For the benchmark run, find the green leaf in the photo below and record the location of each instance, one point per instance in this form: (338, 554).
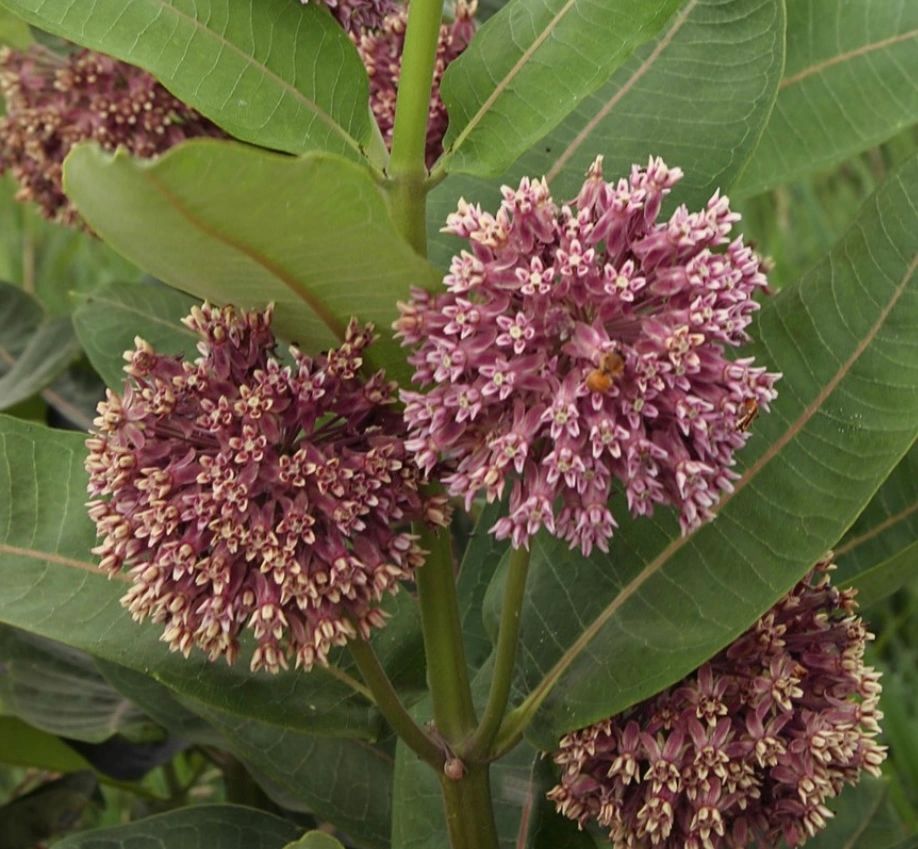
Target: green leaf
(602, 633)
(888, 524)
(716, 63)
(51, 588)
(199, 827)
(312, 234)
(863, 820)
(60, 691)
(14, 32)
(849, 84)
(108, 319)
(270, 72)
(23, 745)
(34, 349)
(529, 66)
(882, 580)
(315, 840)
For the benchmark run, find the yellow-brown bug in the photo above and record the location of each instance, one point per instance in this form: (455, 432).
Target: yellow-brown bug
(601, 379)
(750, 409)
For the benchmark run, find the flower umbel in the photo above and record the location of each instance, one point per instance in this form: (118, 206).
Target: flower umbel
(747, 749)
(583, 344)
(54, 102)
(359, 15)
(247, 494)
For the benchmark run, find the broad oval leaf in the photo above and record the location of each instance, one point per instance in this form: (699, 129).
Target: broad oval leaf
(311, 234)
(107, 320)
(864, 819)
(199, 827)
(51, 588)
(849, 84)
(34, 348)
(602, 633)
(881, 581)
(271, 72)
(23, 745)
(528, 66)
(315, 840)
(715, 63)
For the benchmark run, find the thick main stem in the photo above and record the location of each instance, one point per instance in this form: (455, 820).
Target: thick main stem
(407, 167)
(469, 813)
(502, 677)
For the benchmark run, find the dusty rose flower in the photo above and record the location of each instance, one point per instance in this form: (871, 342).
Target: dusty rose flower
(246, 494)
(381, 51)
(581, 345)
(747, 749)
(54, 102)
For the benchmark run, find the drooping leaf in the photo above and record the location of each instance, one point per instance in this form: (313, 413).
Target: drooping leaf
(602, 633)
(311, 234)
(849, 84)
(34, 349)
(888, 524)
(715, 64)
(59, 690)
(51, 588)
(107, 320)
(863, 819)
(199, 827)
(529, 66)
(278, 74)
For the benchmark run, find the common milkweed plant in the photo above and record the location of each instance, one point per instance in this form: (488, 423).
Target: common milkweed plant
(463, 477)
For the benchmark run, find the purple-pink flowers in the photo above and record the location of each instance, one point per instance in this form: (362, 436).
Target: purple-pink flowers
(748, 749)
(584, 344)
(246, 494)
(54, 102)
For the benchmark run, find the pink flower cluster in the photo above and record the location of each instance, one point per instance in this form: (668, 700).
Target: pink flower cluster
(583, 344)
(381, 51)
(245, 494)
(54, 102)
(747, 749)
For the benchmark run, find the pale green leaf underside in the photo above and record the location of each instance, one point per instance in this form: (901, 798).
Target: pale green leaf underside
(851, 82)
(315, 840)
(201, 827)
(51, 588)
(528, 66)
(602, 633)
(271, 72)
(311, 234)
(699, 95)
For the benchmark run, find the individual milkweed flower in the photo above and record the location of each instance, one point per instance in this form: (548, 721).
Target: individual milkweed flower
(246, 494)
(381, 51)
(581, 345)
(747, 749)
(54, 102)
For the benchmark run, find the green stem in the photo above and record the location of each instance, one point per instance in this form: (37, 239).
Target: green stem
(390, 705)
(508, 638)
(447, 673)
(469, 814)
(407, 167)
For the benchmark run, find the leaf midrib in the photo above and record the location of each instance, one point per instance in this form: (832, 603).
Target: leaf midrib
(541, 691)
(876, 530)
(847, 56)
